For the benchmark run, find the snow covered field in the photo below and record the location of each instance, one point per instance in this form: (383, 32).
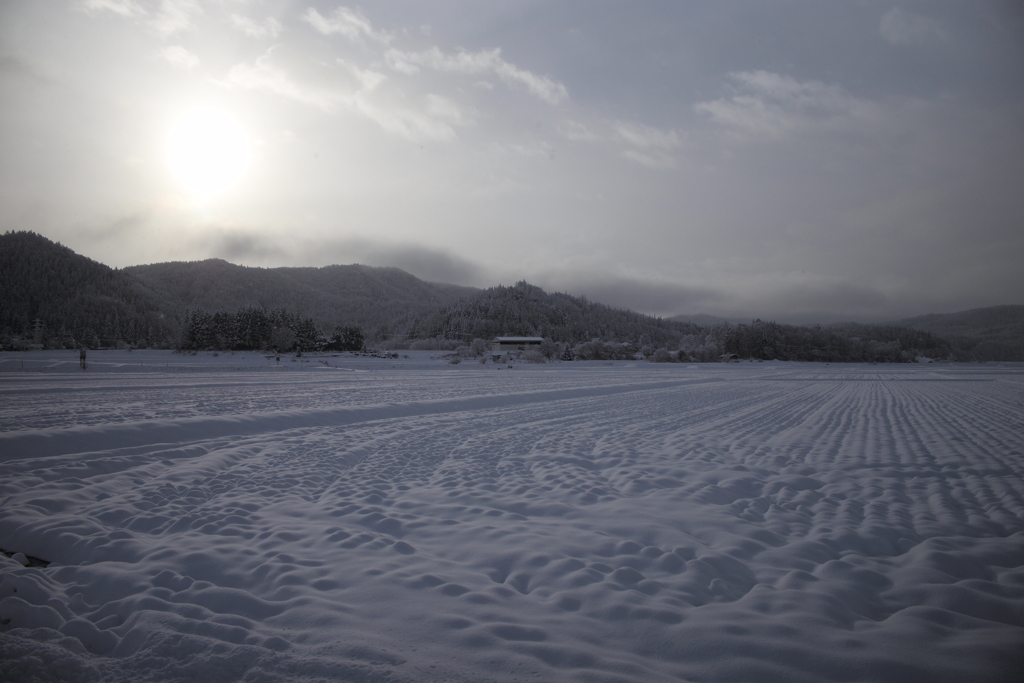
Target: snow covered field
(355, 519)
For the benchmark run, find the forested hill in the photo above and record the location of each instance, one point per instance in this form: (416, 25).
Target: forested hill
(380, 300)
(530, 311)
(51, 295)
(993, 333)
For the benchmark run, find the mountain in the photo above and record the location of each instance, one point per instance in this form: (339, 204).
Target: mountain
(526, 310)
(994, 322)
(380, 300)
(51, 295)
(993, 333)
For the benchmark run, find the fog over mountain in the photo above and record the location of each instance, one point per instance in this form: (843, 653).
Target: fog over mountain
(55, 298)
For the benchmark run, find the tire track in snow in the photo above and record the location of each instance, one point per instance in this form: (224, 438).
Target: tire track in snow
(45, 443)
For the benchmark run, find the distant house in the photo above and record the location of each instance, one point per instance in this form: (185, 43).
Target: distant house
(729, 358)
(503, 344)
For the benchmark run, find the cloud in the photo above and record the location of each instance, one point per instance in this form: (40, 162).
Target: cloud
(432, 265)
(351, 24)
(650, 296)
(176, 15)
(250, 247)
(270, 28)
(347, 87)
(236, 245)
(180, 57)
(771, 105)
(818, 299)
(543, 87)
(650, 146)
(120, 227)
(647, 137)
(529, 149)
(782, 298)
(484, 61)
(446, 110)
(425, 263)
(269, 74)
(367, 78)
(577, 132)
(125, 8)
(432, 124)
(900, 27)
(654, 159)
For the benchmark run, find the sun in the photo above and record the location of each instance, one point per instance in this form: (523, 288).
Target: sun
(207, 152)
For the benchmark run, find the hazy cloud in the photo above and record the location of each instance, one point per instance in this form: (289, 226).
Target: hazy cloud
(176, 15)
(253, 247)
(446, 110)
(123, 226)
(901, 27)
(426, 263)
(346, 22)
(650, 296)
(368, 79)
(180, 57)
(773, 105)
(816, 300)
(432, 124)
(809, 301)
(573, 130)
(484, 61)
(652, 159)
(347, 87)
(269, 28)
(125, 8)
(269, 73)
(528, 149)
(647, 137)
(651, 146)
(240, 245)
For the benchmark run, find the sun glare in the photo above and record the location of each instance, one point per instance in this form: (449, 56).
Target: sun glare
(207, 152)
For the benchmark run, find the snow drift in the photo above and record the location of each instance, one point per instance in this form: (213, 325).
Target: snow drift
(415, 521)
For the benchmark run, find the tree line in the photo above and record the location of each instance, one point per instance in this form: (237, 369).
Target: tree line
(849, 343)
(252, 328)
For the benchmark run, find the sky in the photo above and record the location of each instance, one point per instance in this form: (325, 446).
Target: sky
(796, 161)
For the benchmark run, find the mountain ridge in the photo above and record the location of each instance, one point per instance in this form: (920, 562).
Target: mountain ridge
(372, 296)
(983, 322)
(989, 333)
(46, 289)
(52, 295)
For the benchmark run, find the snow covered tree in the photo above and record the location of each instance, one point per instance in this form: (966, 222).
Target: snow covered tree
(346, 338)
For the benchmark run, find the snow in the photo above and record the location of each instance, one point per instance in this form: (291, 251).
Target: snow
(342, 518)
